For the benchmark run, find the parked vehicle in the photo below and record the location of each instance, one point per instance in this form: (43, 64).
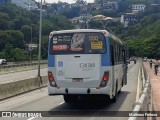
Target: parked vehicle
(3, 62)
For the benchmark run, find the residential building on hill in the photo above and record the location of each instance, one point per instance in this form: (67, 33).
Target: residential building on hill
(127, 17)
(110, 5)
(4, 1)
(138, 7)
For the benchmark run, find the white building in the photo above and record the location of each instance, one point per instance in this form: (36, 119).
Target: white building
(27, 4)
(84, 17)
(138, 7)
(128, 17)
(110, 5)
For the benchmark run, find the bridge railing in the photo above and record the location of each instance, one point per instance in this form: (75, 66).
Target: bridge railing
(21, 67)
(143, 106)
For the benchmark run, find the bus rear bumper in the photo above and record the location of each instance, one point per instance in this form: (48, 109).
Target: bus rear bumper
(63, 91)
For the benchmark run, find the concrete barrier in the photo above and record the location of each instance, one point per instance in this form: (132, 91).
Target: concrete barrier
(15, 88)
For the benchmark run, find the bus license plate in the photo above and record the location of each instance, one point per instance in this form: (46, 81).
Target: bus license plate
(77, 80)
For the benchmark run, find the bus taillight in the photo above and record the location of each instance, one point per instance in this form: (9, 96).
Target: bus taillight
(106, 76)
(104, 79)
(50, 76)
(51, 79)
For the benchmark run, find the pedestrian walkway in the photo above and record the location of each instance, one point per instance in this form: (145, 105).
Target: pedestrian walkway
(155, 83)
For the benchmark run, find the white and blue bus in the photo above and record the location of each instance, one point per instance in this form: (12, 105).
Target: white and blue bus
(85, 62)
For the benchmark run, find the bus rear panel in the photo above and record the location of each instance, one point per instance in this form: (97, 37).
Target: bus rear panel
(79, 63)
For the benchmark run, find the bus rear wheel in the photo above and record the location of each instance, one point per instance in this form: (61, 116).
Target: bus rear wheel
(70, 98)
(114, 99)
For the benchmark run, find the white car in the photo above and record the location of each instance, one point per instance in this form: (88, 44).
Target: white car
(3, 62)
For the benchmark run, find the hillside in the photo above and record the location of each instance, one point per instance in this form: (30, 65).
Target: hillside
(18, 27)
(143, 36)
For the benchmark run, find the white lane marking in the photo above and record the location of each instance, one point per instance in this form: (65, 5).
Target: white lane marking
(31, 118)
(35, 117)
(61, 103)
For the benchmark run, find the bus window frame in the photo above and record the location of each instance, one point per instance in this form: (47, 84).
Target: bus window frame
(75, 52)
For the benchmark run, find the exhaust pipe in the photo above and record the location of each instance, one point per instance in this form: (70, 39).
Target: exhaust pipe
(66, 90)
(88, 91)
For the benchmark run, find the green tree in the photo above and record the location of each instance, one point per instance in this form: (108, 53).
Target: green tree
(71, 12)
(47, 27)
(4, 39)
(152, 46)
(15, 23)
(3, 21)
(19, 55)
(44, 47)
(4, 16)
(26, 30)
(17, 38)
(11, 25)
(8, 52)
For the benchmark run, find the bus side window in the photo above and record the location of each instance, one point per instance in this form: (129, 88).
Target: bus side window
(112, 55)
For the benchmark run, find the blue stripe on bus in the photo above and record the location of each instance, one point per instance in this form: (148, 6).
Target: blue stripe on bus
(51, 58)
(51, 61)
(105, 58)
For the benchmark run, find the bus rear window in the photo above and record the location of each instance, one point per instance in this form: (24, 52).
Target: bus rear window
(77, 43)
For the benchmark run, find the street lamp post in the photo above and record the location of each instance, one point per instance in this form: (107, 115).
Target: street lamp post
(119, 28)
(31, 46)
(40, 33)
(108, 19)
(88, 12)
(102, 18)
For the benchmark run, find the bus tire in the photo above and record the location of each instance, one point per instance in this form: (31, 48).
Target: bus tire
(122, 82)
(119, 91)
(70, 98)
(120, 88)
(114, 99)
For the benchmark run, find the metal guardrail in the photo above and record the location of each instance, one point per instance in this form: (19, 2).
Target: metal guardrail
(26, 62)
(142, 109)
(21, 67)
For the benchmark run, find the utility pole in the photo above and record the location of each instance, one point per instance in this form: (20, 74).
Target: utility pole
(40, 33)
(88, 13)
(31, 45)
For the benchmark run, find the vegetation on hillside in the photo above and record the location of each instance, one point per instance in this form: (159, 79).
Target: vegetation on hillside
(143, 36)
(16, 25)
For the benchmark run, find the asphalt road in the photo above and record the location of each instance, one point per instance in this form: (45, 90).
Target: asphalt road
(39, 100)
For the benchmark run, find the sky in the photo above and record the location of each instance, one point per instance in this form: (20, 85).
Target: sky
(68, 1)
